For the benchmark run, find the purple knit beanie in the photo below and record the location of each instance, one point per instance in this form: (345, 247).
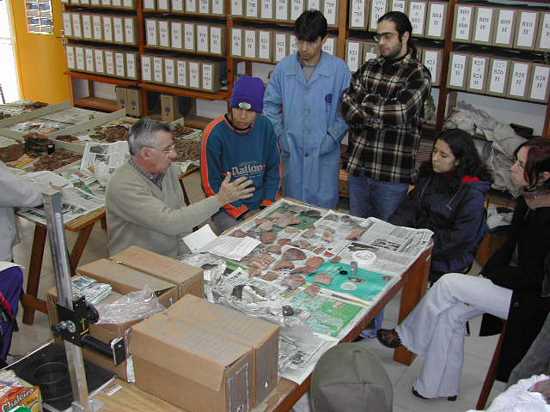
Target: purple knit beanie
(249, 90)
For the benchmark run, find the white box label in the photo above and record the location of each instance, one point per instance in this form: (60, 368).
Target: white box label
(98, 27)
(194, 75)
(162, 5)
(539, 85)
(189, 36)
(204, 6)
(358, 13)
(149, 4)
(330, 11)
(164, 33)
(158, 69)
(177, 5)
(119, 65)
(431, 61)
(118, 27)
(436, 20)
(218, 7)
(131, 66)
(463, 22)
(526, 29)
(71, 64)
(68, 24)
(107, 28)
(109, 63)
(151, 32)
(281, 9)
(190, 6)
(202, 38)
(182, 73)
(252, 8)
(267, 9)
(129, 34)
(146, 68)
(99, 66)
(207, 74)
(250, 44)
(353, 57)
(330, 45)
(236, 43)
(458, 70)
(399, 5)
(87, 31)
(237, 7)
(477, 73)
(499, 73)
(176, 35)
(89, 54)
(417, 16)
(117, 3)
(280, 46)
(264, 50)
(77, 28)
(296, 9)
(80, 59)
(505, 22)
(378, 9)
(483, 24)
(518, 82)
(544, 40)
(169, 71)
(129, 4)
(216, 40)
(313, 5)
(292, 44)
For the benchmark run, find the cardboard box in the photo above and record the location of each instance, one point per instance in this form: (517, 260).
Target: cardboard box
(191, 367)
(217, 40)
(177, 6)
(149, 5)
(250, 44)
(80, 59)
(107, 28)
(458, 71)
(499, 76)
(169, 76)
(483, 27)
(89, 58)
(505, 27)
(262, 336)
(132, 65)
(237, 8)
(281, 46)
(437, 20)
(543, 39)
(97, 23)
(432, 59)
(377, 9)
(151, 33)
(218, 7)
(176, 35)
(330, 11)
(540, 83)
(163, 27)
(191, 7)
(189, 37)
(282, 10)
(203, 39)
(297, 7)
(237, 42)
(110, 63)
(129, 30)
(120, 93)
(158, 69)
(519, 80)
(417, 15)
(71, 61)
(87, 28)
(181, 73)
(67, 24)
(354, 54)
(120, 64)
(99, 61)
(477, 78)
(169, 109)
(194, 74)
(118, 30)
(251, 8)
(210, 76)
(526, 30)
(267, 9)
(77, 26)
(265, 45)
(463, 22)
(146, 68)
(133, 102)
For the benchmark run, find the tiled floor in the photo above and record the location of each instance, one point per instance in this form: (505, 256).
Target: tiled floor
(478, 351)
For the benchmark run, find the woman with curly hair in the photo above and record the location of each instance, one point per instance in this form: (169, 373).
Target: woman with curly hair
(449, 199)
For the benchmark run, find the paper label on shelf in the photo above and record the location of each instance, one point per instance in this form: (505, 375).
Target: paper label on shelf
(463, 22)
(431, 61)
(313, 5)
(162, 5)
(330, 11)
(252, 8)
(539, 85)
(169, 71)
(87, 31)
(296, 9)
(250, 44)
(117, 3)
(544, 39)
(119, 65)
(129, 34)
(518, 82)
(484, 21)
(181, 66)
(151, 32)
(436, 21)
(204, 6)
(218, 7)
(504, 28)
(189, 36)
(118, 29)
(80, 59)
(330, 45)
(105, 2)
(417, 16)
(292, 44)
(458, 70)
(280, 46)
(281, 9)
(398, 5)
(99, 65)
(236, 42)
(131, 69)
(499, 73)
(526, 29)
(353, 53)
(237, 7)
(129, 4)
(107, 28)
(158, 72)
(89, 56)
(477, 73)
(98, 27)
(190, 6)
(266, 11)
(202, 38)
(215, 40)
(109, 63)
(358, 13)
(264, 50)
(71, 62)
(164, 33)
(146, 73)
(68, 24)
(77, 27)
(176, 35)
(378, 9)
(207, 74)
(149, 4)
(177, 5)
(92, 2)
(194, 75)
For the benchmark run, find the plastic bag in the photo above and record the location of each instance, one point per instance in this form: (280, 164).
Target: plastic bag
(132, 306)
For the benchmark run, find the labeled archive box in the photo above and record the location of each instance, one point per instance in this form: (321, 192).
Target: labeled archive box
(217, 40)
(377, 9)
(203, 38)
(132, 65)
(267, 9)
(120, 64)
(118, 30)
(519, 80)
(210, 76)
(109, 57)
(281, 46)
(330, 11)
(252, 8)
(458, 71)
(250, 48)
(89, 59)
(543, 40)
(151, 33)
(477, 79)
(177, 6)
(432, 59)
(436, 20)
(163, 5)
(354, 54)
(359, 14)
(149, 5)
(97, 23)
(68, 24)
(417, 11)
(398, 5)
(80, 59)
(237, 8)
(191, 7)
(170, 71)
(237, 42)
(147, 68)
(181, 73)
(163, 29)
(77, 25)
(265, 45)
(71, 61)
(499, 77)
(130, 32)
(463, 23)
(526, 30)
(194, 74)
(330, 45)
(99, 61)
(87, 30)
(282, 10)
(540, 86)
(176, 35)
(158, 69)
(297, 7)
(107, 28)
(505, 27)
(483, 25)
(189, 43)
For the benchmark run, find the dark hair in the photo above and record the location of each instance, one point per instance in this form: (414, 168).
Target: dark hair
(142, 134)
(310, 26)
(538, 160)
(402, 25)
(464, 150)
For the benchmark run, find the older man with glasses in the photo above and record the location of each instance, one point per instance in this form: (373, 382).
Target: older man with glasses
(145, 203)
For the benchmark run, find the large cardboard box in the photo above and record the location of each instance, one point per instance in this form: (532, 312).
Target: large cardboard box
(189, 366)
(169, 108)
(262, 336)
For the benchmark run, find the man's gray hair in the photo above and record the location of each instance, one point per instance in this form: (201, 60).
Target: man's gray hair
(143, 134)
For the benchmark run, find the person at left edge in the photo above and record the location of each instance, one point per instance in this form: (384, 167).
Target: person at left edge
(241, 142)
(302, 101)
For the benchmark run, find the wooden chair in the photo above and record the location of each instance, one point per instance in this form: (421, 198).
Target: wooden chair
(492, 372)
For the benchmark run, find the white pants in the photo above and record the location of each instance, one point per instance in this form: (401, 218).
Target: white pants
(436, 328)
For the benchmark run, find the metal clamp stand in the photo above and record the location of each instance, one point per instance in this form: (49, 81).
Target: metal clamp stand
(56, 236)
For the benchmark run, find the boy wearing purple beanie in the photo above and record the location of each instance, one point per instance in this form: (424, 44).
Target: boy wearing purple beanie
(242, 143)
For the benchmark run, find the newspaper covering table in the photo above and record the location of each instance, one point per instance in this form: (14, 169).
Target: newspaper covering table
(304, 276)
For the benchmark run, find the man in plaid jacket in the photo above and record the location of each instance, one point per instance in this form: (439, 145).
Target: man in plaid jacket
(383, 108)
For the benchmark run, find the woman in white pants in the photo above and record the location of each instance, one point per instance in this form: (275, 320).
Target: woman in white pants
(511, 287)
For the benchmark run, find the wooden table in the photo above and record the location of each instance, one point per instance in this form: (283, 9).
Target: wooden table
(83, 226)
(286, 394)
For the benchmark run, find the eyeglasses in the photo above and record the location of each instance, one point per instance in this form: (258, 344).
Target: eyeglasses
(384, 36)
(166, 150)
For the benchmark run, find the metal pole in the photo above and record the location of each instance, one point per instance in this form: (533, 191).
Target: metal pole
(53, 206)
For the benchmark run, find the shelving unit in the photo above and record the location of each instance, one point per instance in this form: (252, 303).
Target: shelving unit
(341, 32)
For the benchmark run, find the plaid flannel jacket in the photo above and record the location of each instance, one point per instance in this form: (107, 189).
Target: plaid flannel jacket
(383, 107)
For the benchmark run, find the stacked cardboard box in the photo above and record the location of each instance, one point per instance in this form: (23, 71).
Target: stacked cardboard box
(107, 28)
(197, 7)
(107, 4)
(103, 61)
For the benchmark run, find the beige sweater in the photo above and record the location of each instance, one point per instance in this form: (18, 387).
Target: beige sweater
(140, 214)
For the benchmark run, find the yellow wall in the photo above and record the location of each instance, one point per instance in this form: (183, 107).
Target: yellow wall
(41, 58)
